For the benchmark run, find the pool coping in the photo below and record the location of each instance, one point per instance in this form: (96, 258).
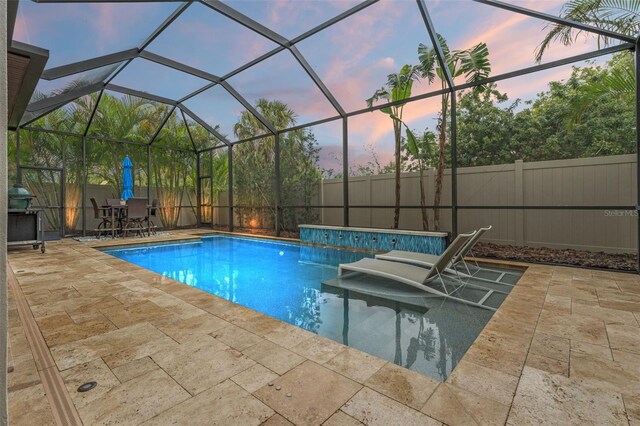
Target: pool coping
(484, 371)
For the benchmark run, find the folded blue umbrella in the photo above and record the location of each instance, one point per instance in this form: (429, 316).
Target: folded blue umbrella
(127, 179)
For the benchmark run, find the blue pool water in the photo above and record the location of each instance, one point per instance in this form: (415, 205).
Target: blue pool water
(285, 281)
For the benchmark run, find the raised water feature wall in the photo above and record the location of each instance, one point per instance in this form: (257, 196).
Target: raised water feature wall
(375, 239)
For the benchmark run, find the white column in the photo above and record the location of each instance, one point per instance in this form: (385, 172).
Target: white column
(3, 214)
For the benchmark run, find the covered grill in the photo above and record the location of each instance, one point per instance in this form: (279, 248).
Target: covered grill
(25, 226)
(19, 197)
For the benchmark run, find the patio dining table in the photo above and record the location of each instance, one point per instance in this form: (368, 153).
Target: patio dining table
(118, 214)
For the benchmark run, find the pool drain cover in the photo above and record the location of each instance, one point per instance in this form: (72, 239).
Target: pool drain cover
(87, 386)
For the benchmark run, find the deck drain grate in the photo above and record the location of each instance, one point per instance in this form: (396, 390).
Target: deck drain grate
(87, 386)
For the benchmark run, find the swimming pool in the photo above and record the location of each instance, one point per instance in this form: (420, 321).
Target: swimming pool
(284, 280)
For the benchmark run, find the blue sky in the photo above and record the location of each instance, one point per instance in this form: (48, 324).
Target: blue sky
(352, 57)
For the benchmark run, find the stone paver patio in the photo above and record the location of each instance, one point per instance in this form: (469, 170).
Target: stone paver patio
(563, 348)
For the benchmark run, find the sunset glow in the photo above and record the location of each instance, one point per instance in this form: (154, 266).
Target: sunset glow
(352, 57)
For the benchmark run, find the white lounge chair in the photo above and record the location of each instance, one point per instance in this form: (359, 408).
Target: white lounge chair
(421, 277)
(457, 266)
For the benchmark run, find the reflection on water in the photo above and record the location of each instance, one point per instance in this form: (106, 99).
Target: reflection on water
(284, 281)
(430, 340)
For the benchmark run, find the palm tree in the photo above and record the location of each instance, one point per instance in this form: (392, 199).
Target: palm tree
(621, 16)
(254, 161)
(421, 151)
(172, 170)
(128, 118)
(471, 63)
(398, 88)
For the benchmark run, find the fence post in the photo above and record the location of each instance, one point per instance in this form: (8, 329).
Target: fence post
(370, 202)
(322, 201)
(518, 181)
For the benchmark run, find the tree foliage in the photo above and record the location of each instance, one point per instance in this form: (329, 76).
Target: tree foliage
(492, 130)
(473, 64)
(254, 168)
(397, 89)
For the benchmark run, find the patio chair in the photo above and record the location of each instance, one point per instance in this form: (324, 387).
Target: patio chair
(135, 216)
(103, 214)
(457, 266)
(153, 213)
(423, 278)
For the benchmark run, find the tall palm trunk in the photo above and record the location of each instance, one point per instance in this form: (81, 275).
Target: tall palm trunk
(442, 140)
(425, 218)
(397, 127)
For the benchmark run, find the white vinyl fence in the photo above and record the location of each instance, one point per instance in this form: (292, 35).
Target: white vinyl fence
(600, 181)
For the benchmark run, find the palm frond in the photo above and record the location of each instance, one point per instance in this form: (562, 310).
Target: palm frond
(621, 16)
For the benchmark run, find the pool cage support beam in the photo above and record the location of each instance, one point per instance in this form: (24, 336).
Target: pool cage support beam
(442, 60)
(454, 166)
(345, 171)
(203, 123)
(557, 20)
(198, 192)
(18, 169)
(88, 64)
(247, 105)
(148, 174)
(84, 186)
(63, 191)
(230, 179)
(164, 121)
(636, 55)
(433, 36)
(93, 113)
(278, 200)
(84, 164)
(211, 189)
(186, 125)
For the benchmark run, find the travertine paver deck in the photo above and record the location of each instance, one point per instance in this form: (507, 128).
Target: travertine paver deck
(563, 348)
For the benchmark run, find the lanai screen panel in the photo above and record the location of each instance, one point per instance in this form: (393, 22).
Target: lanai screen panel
(51, 88)
(205, 39)
(71, 117)
(214, 174)
(511, 38)
(291, 18)
(77, 31)
(281, 79)
(366, 48)
(307, 156)
(254, 183)
(175, 134)
(74, 180)
(126, 117)
(201, 137)
(220, 110)
(147, 76)
(173, 182)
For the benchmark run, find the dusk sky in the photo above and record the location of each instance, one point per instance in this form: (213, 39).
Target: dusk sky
(352, 57)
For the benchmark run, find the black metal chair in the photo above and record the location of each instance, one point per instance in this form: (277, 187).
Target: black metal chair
(152, 213)
(119, 216)
(103, 214)
(136, 215)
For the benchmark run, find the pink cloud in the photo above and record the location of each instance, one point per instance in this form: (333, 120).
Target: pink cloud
(292, 18)
(106, 20)
(513, 38)
(21, 29)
